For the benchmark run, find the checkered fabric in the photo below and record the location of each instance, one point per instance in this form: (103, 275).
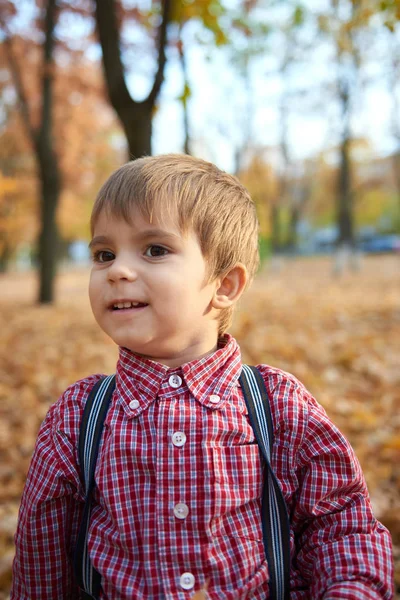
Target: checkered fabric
(179, 483)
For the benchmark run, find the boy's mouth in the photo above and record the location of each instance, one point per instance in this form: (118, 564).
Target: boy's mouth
(126, 305)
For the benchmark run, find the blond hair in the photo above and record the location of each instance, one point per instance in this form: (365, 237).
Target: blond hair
(206, 200)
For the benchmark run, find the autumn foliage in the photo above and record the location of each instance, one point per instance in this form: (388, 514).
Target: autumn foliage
(339, 336)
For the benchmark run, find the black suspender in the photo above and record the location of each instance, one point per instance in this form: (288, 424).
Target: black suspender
(91, 428)
(275, 522)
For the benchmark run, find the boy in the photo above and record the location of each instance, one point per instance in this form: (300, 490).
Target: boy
(179, 475)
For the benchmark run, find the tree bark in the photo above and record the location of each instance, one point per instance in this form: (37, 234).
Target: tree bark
(282, 199)
(344, 195)
(293, 225)
(275, 228)
(344, 204)
(182, 58)
(135, 117)
(5, 255)
(396, 173)
(41, 138)
(50, 178)
(345, 219)
(138, 126)
(50, 186)
(395, 120)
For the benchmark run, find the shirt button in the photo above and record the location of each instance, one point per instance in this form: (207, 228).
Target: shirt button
(187, 581)
(178, 439)
(181, 511)
(134, 404)
(214, 398)
(175, 381)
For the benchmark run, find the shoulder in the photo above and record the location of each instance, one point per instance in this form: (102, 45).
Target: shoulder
(290, 402)
(65, 415)
(55, 451)
(298, 418)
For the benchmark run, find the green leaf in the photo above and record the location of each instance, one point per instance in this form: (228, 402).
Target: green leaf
(186, 94)
(298, 15)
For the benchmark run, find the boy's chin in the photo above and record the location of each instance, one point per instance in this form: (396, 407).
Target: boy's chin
(136, 348)
(144, 346)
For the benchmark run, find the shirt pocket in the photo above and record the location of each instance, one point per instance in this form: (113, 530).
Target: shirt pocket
(238, 482)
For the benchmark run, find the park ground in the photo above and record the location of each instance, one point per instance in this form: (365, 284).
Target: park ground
(340, 335)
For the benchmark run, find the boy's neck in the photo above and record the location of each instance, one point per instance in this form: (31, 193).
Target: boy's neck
(177, 360)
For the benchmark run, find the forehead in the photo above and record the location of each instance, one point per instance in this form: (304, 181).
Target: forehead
(137, 218)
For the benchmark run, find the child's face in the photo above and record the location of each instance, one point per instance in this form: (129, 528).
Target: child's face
(148, 289)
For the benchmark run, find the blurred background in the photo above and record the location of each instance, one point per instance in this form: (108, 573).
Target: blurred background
(300, 100)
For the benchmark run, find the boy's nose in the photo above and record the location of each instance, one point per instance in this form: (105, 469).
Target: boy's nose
(122, 269)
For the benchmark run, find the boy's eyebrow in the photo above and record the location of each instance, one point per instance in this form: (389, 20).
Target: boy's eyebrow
(158, 233)
(143, 235)
(100, 239)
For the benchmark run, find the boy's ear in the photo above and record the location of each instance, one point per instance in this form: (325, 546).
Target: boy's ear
(230, 287)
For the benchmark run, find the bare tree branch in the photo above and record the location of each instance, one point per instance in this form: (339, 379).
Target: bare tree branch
(162, 42)
(16, 76)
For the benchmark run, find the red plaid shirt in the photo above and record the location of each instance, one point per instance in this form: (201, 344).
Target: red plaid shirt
(179, 481)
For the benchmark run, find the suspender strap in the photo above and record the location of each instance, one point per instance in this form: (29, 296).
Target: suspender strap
(275, 521)
(91, 428)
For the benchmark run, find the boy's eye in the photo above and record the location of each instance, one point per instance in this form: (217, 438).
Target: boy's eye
(154, 250)
(103, 256)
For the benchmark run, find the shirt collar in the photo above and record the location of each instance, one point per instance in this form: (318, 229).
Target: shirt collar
(140, 381)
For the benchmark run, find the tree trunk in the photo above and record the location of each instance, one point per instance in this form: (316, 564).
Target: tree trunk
(345, 85)
(394, 53)
(344, 197)
(50, 186)
(275, 229)
(5, 255)
(293, 225)
(41, 138)
(135, 117)
(396, 172)
(50, 179)
(5, 250)
(137, 125)
(345, 254)
(284, 181)
(186, 88)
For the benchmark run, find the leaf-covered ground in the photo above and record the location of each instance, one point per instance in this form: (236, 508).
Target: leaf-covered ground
(340, 336)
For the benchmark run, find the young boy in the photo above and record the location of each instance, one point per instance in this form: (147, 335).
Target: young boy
(179, 474)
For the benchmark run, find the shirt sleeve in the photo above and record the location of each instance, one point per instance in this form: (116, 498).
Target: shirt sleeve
(342, 550)
(50, 508)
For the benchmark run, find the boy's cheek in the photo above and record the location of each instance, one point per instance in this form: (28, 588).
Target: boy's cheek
(95, 285)
(95, 299)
